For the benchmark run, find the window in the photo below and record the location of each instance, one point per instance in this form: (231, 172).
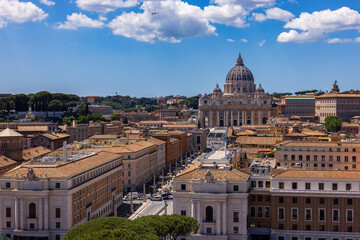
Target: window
(7, 185)
(281, 226)
(321, 186)
(260, 184)
(281, 238)
(236, 188)
(321, 214)
(349, 228)
(335, 215)
(209, 214)
(294, 214)
(260, 198)
(183, 213)
(57, 237)
(267, 184)
(32, 210)
(315, 158)
(208, 230)
(57, 224)
(334, 186)
(281, 185)
(267, 212)
(8, 224)
(281, 199)
(307, 186)
(294, 200)
(348, 186)
(338, 158)
(252, 212)
(335, 229)
(236, 229)
(346, 159)
(308, 214)
(57, 185)
(294, 227)
(331, 158)
(260, 212)
(321, 228)
(252, 198)
(129, 173)
(308, 200)
(349, 215)
(8, 212)
(281, 213)
(32, 226)
(235, 216)
(308, 227)
(183, 186)
(57, 213)
(285, 157)
(253, 184)
(354, 158)
(294, 185)
(349, 201)
(322, 200)
(307, 157)
(293, 157)
(335, 201)
(300, 157)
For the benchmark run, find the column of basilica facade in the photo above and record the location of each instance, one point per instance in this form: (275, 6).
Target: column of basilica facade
(241, 103)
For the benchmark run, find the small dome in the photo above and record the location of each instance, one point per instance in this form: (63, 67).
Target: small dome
(239, 72)
(260, 89)
(217, 89)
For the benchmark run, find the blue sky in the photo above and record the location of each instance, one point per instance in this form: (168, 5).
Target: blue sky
(165, 47)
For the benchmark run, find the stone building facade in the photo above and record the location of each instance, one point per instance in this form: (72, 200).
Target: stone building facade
(241, 103)
(45, 197)
(343, 105)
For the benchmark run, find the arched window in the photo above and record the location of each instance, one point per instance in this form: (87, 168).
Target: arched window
(209, 214)
(32, 210)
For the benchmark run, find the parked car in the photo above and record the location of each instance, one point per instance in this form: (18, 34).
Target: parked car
(135, 195)
(156, 198)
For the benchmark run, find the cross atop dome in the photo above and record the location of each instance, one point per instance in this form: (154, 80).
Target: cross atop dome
(239, 61)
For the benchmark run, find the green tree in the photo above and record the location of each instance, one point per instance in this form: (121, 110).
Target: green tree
(333, 123)
(55, 105)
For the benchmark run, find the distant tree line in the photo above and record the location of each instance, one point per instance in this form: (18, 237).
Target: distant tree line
(279, 95)
(43, 101)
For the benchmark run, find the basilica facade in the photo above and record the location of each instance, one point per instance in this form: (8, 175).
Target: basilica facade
(241, 103)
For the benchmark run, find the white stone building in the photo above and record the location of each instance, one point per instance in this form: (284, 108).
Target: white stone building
(216, 198)
(46, 197)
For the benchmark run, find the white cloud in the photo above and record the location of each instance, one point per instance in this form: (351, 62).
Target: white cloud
(343, 40)
(339, 40)
(294, 36)
(47, 2)
(168, 20)
(316, 25)
(262, 43)
(77, 20)
(230, 15)
(250, 4)
(230, 40)
(273, 13)
(105, 5)
(244, 40)
(19, 12)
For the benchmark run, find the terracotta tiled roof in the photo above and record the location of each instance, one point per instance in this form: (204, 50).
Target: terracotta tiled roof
(245, 133)
(180, 125)
(9, 133)
(34, 152)
(55, 136)
(313, 174)
(320, 144)
(5, 161)
(134, 147)
(176, 132)
(103, 137)
(174, 140)
(65, 170)
(199, 173)
(338, 95)
(156, 141)
(258, 140)
(33, 129)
